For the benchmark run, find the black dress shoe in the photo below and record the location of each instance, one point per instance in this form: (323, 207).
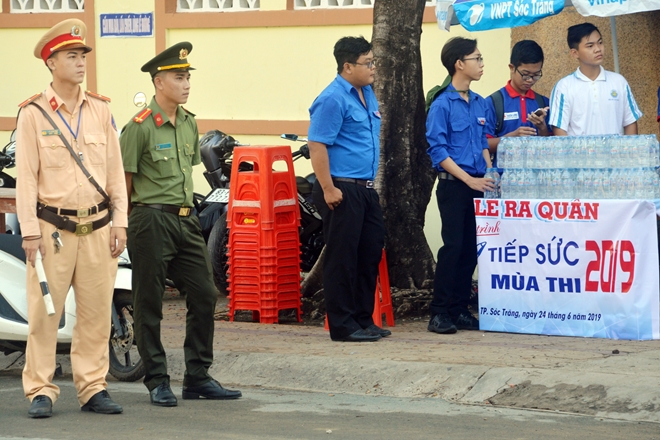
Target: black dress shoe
(162, 395)
(360, 336)
(102, 403)
(465, 321)
(41, 407)
(210, 390)
(441, 323)
(375, 330)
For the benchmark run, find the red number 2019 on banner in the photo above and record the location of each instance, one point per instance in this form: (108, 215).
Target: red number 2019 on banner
(612, 257)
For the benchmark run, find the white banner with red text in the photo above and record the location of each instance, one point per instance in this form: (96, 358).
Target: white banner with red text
(569, 267)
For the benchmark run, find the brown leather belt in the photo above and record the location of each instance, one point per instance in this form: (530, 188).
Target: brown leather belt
(181, 211)
(64, 223)
(86, 212)
(365, 183)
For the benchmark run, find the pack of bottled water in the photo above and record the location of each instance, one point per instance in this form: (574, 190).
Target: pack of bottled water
(587, 167)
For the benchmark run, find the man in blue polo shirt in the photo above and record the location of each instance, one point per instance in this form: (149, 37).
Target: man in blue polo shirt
(344, 144)
(459, 152)
(515, 109)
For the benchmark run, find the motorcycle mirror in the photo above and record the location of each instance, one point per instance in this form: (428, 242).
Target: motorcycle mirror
(290, 137)
(140, 100)
(12, 138)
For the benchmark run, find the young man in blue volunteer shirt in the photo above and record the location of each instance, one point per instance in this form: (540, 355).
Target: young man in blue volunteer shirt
(344, 144)
(459, 152)
(515, 109)
(591, 100)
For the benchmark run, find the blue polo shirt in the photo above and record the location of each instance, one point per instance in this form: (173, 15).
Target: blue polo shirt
(349, 130)
(455, 128)
(516, 109)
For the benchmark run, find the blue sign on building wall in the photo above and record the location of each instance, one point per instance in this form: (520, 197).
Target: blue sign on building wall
(127, 25)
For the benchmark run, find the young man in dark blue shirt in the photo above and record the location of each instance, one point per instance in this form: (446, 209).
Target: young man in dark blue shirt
(515, 109)
(344, 144)
(459, 152)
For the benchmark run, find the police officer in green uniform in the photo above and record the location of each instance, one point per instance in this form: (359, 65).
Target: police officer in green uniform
(159, 148)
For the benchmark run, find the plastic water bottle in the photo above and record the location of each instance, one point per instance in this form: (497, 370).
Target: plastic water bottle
(502, 154)
(491, 173)
(567, 185)
(591, 152)
(541, 185)
(589, 192)
(605, 185)
(555, 184)
(505, 185)
(529, 184)
(516, 153)
(615, 183)
(579, 184)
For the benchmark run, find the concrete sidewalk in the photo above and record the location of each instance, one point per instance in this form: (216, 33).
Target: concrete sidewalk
(599, 377)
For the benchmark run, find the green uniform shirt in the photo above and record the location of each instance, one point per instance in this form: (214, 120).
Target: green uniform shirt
(161, 156)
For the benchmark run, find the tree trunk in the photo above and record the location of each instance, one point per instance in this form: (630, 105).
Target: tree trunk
(405, 177)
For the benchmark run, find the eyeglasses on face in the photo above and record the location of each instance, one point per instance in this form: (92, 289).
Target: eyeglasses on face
(535, 77)
(479, 59)
(370, 65)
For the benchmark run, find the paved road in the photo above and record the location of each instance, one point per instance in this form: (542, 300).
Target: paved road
(277, 414)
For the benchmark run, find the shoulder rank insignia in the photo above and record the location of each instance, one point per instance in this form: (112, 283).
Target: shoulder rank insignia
(188, 111)
(142, 115)
(97, 96)
(29, 100)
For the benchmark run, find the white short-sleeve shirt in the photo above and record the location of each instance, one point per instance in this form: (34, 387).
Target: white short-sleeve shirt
(581, 106)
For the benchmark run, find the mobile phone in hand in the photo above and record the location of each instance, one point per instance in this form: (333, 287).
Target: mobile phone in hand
(539, 112)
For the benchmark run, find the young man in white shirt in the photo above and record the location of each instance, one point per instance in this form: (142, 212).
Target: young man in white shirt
(591, 100)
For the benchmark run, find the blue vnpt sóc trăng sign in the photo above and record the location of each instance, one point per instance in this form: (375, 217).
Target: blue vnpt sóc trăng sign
(127, 25)
(483, 15)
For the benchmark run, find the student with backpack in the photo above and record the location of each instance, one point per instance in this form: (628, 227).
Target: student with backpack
(515, 109)
(459, 153)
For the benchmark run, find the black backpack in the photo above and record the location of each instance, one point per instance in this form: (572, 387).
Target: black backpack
(498, 103)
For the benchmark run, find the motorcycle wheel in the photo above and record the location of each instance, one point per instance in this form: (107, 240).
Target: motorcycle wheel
(125, 362)
(217, 245)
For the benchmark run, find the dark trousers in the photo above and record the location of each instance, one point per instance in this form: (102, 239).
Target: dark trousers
(161, 244)
(457, 258)
(354, 233)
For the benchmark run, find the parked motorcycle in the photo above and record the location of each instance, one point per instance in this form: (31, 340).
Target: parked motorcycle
(125, 362)
(8, 160)
(216, 149)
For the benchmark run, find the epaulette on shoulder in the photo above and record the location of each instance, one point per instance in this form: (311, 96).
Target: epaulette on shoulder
(188, 111)
(97, 96)
(29, 100)
(140, 117)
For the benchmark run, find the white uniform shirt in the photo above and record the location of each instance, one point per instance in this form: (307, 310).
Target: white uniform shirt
(581, 106)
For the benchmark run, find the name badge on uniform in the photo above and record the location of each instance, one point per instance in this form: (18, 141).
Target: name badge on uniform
(50, 132)
(166, 146)
(511, 116)
(481, 121)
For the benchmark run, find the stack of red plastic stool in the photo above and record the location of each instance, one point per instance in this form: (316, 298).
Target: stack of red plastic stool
(383, 297)
(263, 246)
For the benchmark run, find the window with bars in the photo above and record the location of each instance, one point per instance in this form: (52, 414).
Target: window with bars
(37, 6)
(311, 4)
(216, 5)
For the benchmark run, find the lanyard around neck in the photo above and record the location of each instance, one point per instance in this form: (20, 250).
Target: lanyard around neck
(75, 135)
